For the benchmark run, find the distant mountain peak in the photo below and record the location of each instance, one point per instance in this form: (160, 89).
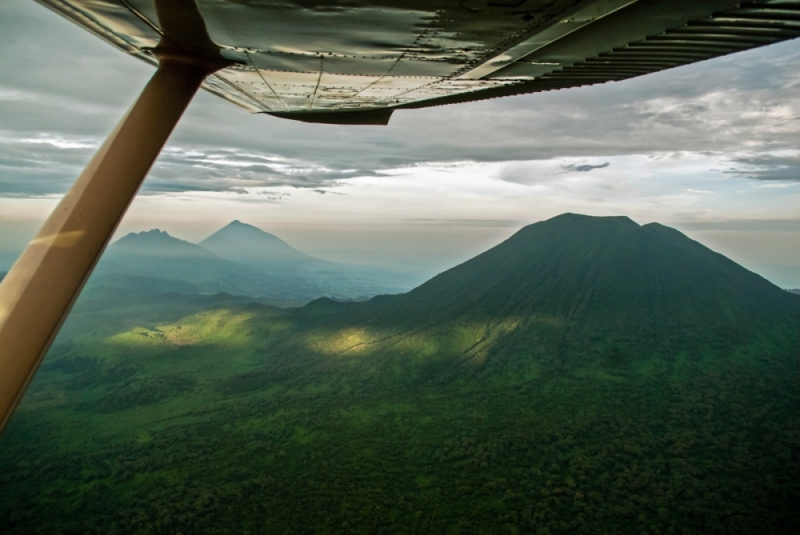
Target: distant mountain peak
(590, 219)
(156, 242)
(152, 234)
(239, 227)
(248, 244)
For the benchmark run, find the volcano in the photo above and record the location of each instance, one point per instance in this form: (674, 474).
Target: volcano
(580, 287)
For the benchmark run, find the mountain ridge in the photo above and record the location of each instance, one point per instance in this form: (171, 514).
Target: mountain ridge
(156, 242)
(243, 260)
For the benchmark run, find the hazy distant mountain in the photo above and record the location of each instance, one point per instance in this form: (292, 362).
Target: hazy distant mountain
(795, 291)
(157, 255)
(249, 262)
(247, 244)
(154, 262)
(251, 246)
(157, 243)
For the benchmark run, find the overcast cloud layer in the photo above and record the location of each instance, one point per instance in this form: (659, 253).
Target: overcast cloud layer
(708, 144)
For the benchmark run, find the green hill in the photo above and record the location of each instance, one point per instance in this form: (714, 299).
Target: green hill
(588, 375)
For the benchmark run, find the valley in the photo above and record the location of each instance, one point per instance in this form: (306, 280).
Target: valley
(588, 375)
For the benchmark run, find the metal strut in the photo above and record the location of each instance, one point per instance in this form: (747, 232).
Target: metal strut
(39, 290)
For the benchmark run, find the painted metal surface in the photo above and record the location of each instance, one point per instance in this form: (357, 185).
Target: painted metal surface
(316, 60)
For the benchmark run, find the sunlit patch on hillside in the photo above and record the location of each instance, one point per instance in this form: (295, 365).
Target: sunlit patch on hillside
(351, 340)
(213, 327)
(469, 342)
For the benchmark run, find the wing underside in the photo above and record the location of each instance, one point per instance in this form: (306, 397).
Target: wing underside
(355, 63)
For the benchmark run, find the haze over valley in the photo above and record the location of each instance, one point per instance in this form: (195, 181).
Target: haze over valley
(586, 375)
(238, 259)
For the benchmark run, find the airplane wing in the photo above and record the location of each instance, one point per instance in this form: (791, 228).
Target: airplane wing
(356, 62)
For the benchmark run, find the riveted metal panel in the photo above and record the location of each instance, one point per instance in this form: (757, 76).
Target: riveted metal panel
(314, 57)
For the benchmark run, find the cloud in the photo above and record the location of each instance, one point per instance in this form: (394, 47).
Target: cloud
(768, 167)
(584, 168)
(529, 173)
(327, 192)
(549, 171)
(66, 89)
(201, 168)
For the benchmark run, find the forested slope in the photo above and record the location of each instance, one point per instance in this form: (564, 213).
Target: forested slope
(588, 375)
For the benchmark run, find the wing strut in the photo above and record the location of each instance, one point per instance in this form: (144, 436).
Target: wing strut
(40, 289)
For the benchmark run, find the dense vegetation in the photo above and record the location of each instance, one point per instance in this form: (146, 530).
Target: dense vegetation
(523, 405)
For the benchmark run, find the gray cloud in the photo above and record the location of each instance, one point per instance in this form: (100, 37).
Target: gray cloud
(60, 83)
(327, 192)
(768, 167)
(39, 166)
(584, 168)
(195, 168)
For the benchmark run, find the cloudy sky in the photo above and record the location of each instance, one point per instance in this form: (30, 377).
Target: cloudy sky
(711, 149)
